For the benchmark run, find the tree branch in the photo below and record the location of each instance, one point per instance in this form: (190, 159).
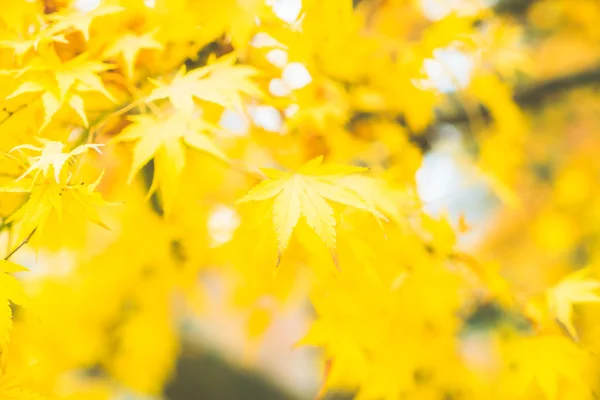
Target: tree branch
(530, 97)
(537, 94)
(513, 6)
(206, 376)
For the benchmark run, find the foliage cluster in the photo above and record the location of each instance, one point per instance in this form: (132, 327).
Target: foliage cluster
(148, 144)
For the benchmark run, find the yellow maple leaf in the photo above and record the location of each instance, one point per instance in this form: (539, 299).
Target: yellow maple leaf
(129, 47)
(51, 156)
(22, 46)
(53, 96)
(14, 387)
(165, 139)
(80, 20)
(394, 202)
(305, 193)
(576, 288)
(80, 70)
(243, 17)
(546, 362)
(10, 291)
(79, 200)
(221, 83)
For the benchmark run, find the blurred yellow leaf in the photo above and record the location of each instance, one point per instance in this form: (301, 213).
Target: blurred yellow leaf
(576, 288)
(221, 83)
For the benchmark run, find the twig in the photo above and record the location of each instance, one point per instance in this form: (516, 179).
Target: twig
(11, 113)
(23, 243)
(103, 121)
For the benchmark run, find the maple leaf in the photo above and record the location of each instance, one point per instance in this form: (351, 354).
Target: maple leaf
(77, 70)
(80, 20)
(10, 291)
(305, 193)
(545, 361)
(44, 36)
(83, 200)
(166, 137)
(243, 17)
(51, 156)
(78, 200)
(129, 47)
(221, 83)
(382, 196)
(52, 92)
(14, 387)
(576, 288)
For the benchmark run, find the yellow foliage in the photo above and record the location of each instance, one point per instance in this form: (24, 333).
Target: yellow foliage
(304, 193)
(243, 144)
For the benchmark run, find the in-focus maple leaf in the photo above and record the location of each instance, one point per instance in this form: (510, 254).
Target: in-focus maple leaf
(78, 200)
(305, 193)
(577, 288)
(10, 291)
(165, 138)
(51, 156)
(129, 47)
(221, 83)
(80, 20)
(83, 200)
